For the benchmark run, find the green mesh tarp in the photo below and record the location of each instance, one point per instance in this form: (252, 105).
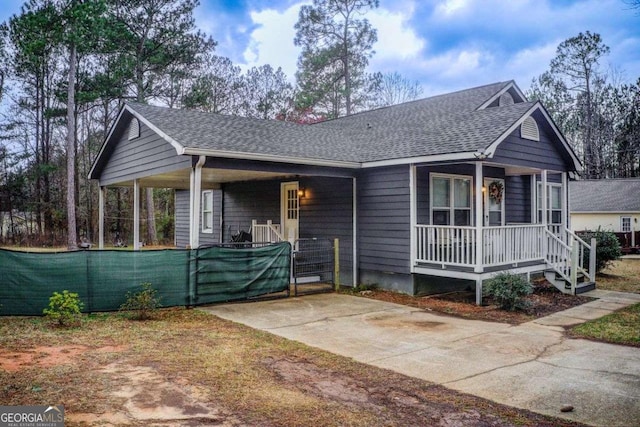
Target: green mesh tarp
(103, 278)
(226, 273)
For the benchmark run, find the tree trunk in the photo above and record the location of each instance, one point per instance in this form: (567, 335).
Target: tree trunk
(152, 238)
(72, 237)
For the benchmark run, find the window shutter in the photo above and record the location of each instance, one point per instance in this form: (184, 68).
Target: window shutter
(529, 129)
(134, 129)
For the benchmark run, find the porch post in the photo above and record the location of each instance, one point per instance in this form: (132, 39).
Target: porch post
(412, 216)
(479, 267)
(534, 198)
(195, 196)
(136, 215)
(565, 201)
(544, 207)
(478, 217)
(101, 191)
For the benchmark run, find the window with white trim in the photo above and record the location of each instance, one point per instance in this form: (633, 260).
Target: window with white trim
(207, 211)
(554, 203)
(625, 224)
(450, 200)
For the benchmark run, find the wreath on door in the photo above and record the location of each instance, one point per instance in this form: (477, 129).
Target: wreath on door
(496, 191)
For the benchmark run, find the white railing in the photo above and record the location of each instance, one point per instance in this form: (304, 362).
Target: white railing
(512, 244)
(566, 254)
(446, 245)
(456, 246)
(266, 233)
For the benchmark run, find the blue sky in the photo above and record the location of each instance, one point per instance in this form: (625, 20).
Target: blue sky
(445, 45)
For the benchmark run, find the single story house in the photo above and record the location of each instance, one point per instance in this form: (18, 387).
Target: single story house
(443, 191)
(607, 204)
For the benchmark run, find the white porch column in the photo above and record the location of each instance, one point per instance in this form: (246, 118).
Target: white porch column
(195, 197)
(136, 215)
(544, 196)
(413, 214)
(479, 199)
(565, 201)
(101, 194)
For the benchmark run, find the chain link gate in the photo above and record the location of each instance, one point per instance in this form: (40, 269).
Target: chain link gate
(313, 266)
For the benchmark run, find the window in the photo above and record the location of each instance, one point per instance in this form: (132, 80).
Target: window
(625, 224)
(554, 203)
(450, 200)
(529, 129)
(207, 211)
(134, 129)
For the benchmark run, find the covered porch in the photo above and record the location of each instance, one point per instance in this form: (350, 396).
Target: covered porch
(472, 220)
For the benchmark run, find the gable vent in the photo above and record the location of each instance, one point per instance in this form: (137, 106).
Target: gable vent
(529, 129)
(134, 129)
(506, 99)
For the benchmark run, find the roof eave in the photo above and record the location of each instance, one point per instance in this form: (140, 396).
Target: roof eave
(270, 158)
(466, 155)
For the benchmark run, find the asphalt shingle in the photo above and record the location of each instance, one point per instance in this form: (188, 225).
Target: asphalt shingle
(605, 195)
(441, 124)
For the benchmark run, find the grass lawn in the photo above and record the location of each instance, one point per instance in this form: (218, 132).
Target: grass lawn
(623, 275)
(188, 367)
(621, 327)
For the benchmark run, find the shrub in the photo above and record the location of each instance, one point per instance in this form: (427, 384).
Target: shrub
(65, 308)
(142, 304)
(508, 290)
(607, 248)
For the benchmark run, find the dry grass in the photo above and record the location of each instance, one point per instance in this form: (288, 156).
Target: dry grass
(255, 378)
(622, 275)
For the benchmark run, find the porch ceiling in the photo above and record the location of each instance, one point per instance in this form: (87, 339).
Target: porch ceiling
(211, 178)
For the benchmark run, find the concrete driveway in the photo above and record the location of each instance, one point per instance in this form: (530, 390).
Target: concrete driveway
(531, 366)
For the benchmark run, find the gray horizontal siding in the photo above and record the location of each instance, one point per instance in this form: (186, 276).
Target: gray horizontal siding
(517, 199)
(543, 154)
(246, 201)
(182, 220)
(383, 220)
(327, 212)
(144, 156)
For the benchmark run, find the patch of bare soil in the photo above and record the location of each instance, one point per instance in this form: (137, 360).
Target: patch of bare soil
(545, 300)
(399, 400)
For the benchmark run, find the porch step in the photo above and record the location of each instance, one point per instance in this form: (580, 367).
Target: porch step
(585, 287)
(564, 286)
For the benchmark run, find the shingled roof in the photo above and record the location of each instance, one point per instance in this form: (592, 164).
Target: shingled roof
(605, 195)
(459, 124)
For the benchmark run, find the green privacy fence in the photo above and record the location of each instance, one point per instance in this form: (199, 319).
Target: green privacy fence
(103, 278)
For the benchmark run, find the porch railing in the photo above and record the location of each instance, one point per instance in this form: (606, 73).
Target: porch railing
(456, 246)
(566, 254)
(268, 232)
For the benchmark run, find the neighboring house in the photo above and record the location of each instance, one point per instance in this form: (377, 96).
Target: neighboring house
(456, 187)
(608, 204)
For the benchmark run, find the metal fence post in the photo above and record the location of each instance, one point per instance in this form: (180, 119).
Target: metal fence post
(336, 264)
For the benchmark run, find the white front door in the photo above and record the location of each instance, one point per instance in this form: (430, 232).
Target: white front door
(493, 202)
(290, 210)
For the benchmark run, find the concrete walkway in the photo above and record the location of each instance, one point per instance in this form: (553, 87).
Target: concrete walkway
(531, 366)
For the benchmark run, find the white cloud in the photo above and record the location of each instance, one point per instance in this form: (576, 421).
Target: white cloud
(396, 39)
(451, 7)
(271, 42)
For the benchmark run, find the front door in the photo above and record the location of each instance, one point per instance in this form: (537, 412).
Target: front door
(493, 202)
(290, 209)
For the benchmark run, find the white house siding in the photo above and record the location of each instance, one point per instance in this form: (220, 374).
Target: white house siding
(606, 221)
